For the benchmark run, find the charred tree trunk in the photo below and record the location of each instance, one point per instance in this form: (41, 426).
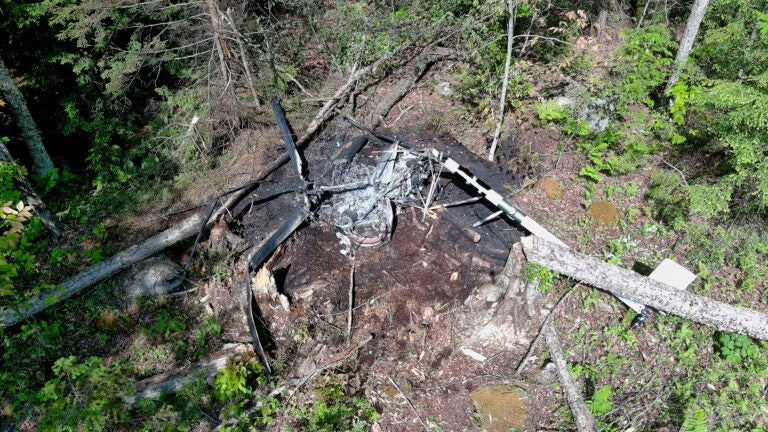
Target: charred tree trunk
(626, 283)
(42, 163)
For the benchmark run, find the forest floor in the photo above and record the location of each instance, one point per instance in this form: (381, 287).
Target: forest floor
(415, 316)
(413, 352)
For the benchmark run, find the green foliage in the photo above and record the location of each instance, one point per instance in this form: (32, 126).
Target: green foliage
(231, 382)
(336, 411)
(551, 112)
(740, 123)
(710, 200)
(668, 198)
(8, 172)
(643, 62)
(167, 325)
(545, 276)
(728, 47)
(601, 404)
(729, 110)
(236, 385)
(15, 249)
(736, 348)
(84, 396)
(613, 152)
(695, 421)
(681, 97)
(617, 248)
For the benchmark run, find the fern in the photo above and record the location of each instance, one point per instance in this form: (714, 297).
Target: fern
(695, 421)
(741, 124)
(601, 404)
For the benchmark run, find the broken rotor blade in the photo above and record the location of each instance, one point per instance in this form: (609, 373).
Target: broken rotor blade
(290, 145)
(266, 247)
(285, 133)
(496, 199)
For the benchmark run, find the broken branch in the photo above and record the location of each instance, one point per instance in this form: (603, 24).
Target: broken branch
(512, 8)
(626, 283)
(585, 422)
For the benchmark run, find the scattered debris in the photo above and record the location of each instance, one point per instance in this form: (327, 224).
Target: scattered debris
(474, 355)
(151, 277)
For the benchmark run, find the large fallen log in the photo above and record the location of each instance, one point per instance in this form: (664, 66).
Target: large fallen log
(103, 270)
(626, 283)
(174, 380)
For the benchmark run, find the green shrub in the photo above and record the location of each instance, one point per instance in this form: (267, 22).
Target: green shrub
(15, 249)
(601, 404)
(736, 348)
(84, 396)
(336, 411)
(668, 198)
(643, 63)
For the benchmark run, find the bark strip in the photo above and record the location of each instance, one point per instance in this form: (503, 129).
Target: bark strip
(626, 283)
(103, 270)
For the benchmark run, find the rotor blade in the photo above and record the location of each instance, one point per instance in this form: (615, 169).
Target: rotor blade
(539, 231)
(285, 133)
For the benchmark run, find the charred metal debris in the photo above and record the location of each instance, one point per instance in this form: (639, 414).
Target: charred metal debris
(361, 200)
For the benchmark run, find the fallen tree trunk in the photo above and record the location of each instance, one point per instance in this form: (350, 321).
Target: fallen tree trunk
(626, 283)
(103, 270)
(585, 422)
(173, 380)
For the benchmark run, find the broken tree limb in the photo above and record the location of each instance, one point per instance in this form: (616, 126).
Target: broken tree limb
(342, 92)
(174, 380)
(626, 283)
(30, 196)
(103, 270)
(531, 349)
(585, 422)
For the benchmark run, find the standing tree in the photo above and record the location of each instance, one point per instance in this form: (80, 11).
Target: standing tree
(686, 42)
(512, 7)
(42, 163)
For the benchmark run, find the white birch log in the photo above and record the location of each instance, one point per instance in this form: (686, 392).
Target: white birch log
(626, 283)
